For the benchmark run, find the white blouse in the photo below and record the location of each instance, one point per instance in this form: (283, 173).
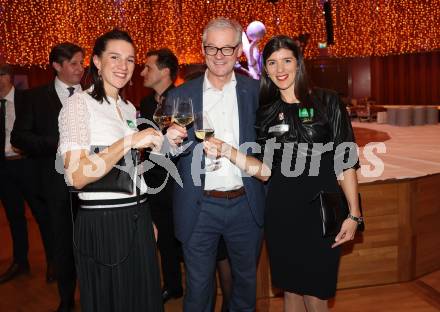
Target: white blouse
(84, 122)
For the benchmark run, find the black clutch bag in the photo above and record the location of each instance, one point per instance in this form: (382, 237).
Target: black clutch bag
(333, 208)
(116, 180)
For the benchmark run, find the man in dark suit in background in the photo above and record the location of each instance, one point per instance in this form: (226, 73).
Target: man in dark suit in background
(36, 133)
(159, 73)
(18, 183)
(224, 203)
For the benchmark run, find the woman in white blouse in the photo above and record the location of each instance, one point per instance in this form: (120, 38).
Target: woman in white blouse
(113, 236)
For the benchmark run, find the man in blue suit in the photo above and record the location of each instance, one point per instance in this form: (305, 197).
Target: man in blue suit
(221, 202)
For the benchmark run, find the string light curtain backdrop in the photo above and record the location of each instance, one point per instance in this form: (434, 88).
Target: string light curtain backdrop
(29, 28)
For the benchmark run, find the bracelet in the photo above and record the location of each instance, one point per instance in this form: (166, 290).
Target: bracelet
(359, 220)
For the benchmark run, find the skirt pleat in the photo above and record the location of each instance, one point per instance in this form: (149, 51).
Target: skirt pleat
(116, 259)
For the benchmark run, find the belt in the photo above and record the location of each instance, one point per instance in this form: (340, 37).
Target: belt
(111, 203)
(15, 157)
(226, 194)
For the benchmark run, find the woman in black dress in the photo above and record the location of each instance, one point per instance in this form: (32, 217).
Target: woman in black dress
(297, 118)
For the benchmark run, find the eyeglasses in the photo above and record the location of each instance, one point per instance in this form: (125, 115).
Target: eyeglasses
(226, 51)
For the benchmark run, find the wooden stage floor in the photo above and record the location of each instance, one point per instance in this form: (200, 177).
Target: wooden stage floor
(410, 152)
(31, 293)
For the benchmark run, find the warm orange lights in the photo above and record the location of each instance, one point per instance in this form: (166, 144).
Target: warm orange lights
(29, 28)
(383, 27)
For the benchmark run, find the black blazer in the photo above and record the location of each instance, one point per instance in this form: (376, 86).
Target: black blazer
(18, 104)
(36, 126)
(19, 97)
(36, 133)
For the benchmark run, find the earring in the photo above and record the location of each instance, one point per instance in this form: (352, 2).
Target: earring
(99, 75)
(130, 83)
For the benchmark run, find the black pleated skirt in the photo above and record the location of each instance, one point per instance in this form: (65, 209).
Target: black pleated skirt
(116, 259)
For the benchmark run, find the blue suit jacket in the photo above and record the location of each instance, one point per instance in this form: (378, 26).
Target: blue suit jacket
(186, 200)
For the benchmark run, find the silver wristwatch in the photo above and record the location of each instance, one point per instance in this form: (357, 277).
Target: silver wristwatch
(359, 220)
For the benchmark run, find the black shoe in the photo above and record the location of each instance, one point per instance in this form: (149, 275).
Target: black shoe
(168, 294)
(14, 270)
(50, 273)
(66, 307)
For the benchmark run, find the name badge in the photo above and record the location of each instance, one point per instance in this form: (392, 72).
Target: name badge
(279, 129)
(306, 115)
(131, 124)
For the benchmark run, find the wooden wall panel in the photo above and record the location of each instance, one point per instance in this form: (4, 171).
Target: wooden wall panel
(412, 64)
(427, 225)
(330, 73)
(404, 82)
(406, 239)
(374, 256)
(263, 275)
(390, 74)
(423, 72)
(360, 82)
(435, 80)
(410, 79)
(376, 88)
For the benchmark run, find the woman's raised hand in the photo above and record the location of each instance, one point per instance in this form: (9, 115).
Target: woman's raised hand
(176, 134)
(148, 138)
(215, 148)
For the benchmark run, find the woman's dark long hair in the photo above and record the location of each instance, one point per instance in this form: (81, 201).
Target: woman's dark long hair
(98, 92)
(269, 93)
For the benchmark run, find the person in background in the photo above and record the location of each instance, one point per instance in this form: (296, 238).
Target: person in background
(159, 74)
(19, 183)
(36, 134)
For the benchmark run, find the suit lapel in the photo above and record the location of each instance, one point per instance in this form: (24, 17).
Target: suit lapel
(54, 100)
(198, 95)
(243, 113)
(18, 95)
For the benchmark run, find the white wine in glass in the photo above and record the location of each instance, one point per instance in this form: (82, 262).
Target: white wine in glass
(183, 120)
(204, 129)
(204, 134)
(183, 112)
(203, 126)
(162, 121)
(163, 114)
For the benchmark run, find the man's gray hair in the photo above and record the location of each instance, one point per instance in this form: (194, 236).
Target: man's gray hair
(223, 23)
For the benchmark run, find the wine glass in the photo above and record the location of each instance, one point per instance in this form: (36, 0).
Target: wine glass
(183, 113)
(204, 129)
(202, 126)
(162, 117)
(163, 114)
